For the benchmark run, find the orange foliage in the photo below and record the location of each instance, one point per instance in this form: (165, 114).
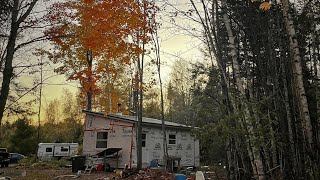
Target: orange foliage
(115, 96)
(265, 6)
(107, 28)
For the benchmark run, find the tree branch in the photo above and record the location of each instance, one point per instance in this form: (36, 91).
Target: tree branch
(26, 14)
(41, 38)
(31, 41)
(31, 89)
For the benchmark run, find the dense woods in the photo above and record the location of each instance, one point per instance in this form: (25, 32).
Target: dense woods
(262, 92)
(254, 96)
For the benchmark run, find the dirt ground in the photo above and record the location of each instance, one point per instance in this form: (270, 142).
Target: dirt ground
(43, 173)
(39, 173)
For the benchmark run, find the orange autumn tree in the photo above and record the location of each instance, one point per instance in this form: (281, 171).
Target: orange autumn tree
(91, 36)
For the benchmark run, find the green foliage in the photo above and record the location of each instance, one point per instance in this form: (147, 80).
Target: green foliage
(212, 147)
(179, 93)
(64, 125)
(23, 139)
(63, 120)
(68, 131)
(7, 131)
(266, 118)
(151, 106)
(207, 114)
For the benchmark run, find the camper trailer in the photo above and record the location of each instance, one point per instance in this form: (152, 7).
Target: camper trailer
(49, 151)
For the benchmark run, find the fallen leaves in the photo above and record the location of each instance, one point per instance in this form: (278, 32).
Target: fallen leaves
(265, 6)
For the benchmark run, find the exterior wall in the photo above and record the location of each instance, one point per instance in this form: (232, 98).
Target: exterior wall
(120, 135)
(186, 147)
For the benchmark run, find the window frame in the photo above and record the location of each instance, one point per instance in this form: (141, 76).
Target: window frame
(170, 139)
(100, 140)
(64, 149)
(49, 148)
(144, 139)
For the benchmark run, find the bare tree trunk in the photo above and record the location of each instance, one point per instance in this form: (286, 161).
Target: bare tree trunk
(315, 59)
(89, 93)
(297, 70)
(8, 69)
(140, 92)
(158, 63)
(288, 113)
(307, 129)
(110, 92)
(40, 98)
(256, 162)
(139, 113)
(215, 52)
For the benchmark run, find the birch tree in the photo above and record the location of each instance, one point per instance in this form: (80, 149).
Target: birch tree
(253, 151)
(297, 70)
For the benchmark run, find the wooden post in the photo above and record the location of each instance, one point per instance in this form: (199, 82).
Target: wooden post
(117, 159)
(104, 161)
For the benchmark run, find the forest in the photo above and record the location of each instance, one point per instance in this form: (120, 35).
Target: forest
(254, 95)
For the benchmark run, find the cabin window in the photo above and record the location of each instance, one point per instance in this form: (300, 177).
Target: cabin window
(144, 139)
(64, 149)
(172, 139)
(102, 138)
(49, 149)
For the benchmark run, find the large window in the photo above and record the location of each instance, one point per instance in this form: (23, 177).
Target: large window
(172, 139)
(102, 139)
(144, 139)
(49, 149)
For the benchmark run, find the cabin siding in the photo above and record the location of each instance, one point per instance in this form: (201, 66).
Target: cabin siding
(123, 135)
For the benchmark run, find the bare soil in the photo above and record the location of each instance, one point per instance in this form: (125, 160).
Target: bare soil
(40, 173)
(16, 172)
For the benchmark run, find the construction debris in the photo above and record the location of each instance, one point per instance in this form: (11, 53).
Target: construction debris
(66, 176)
(150, 174)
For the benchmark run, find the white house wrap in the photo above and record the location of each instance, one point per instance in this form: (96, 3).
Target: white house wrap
(118, 131)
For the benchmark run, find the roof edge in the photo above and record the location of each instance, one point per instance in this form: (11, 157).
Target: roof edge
(123, 118)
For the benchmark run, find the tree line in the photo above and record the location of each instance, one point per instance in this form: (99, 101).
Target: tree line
(258, 103)
(62, 122)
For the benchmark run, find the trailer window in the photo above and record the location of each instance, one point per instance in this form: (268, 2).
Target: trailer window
(144, 139)
(49, 149)
(172, 139)
(63, 149)
(102, 138)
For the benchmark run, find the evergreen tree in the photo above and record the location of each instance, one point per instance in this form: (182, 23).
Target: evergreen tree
(23, 140)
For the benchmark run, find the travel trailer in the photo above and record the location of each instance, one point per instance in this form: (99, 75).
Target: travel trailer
(50, 151)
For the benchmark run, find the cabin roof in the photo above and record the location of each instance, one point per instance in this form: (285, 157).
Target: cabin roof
(145, 120)
(58, 144)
